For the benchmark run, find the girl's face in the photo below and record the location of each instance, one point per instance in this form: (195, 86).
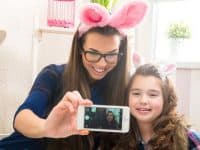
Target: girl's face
(146, 99)
(96, 44)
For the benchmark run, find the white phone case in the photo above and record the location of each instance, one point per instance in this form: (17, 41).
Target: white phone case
(104, 118)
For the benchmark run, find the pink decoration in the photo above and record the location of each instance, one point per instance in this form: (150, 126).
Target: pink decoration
(93, 15)
(138, 59)
(61, 13)
(169, 68)
(127, 17)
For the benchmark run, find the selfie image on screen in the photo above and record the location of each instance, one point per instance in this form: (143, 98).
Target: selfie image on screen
(103, 118)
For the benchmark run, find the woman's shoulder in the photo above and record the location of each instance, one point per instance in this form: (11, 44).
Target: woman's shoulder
(55, 68)
(49, 77)
(194, 139)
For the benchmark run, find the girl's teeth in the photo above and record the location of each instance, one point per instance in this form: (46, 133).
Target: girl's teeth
(143, 109)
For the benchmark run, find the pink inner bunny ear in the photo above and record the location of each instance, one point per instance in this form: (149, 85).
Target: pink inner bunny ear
(137, 59)
(170, 68)
(94, 15)
(130, 15)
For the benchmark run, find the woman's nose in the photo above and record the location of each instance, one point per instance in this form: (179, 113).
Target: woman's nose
(102, 62)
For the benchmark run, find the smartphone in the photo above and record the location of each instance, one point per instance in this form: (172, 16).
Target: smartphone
(104, 118)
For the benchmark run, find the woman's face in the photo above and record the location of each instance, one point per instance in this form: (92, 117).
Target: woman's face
(146, 99)
(110, 117)
(96, 44)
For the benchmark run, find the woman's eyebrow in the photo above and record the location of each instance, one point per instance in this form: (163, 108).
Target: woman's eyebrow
(96, 50)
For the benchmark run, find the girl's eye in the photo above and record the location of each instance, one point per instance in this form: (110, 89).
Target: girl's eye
(135, 93)
(153, 95)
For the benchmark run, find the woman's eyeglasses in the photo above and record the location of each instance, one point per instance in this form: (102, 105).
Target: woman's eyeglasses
(92, 56)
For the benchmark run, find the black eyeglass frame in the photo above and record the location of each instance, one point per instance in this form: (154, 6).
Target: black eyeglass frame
(120, 54)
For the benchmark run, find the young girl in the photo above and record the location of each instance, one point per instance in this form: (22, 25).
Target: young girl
(155, 122)
(97, 65)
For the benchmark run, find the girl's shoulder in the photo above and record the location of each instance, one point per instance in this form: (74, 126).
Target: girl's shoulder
(194, 139)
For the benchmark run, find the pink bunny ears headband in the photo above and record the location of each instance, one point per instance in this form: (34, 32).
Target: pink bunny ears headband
(93, 15)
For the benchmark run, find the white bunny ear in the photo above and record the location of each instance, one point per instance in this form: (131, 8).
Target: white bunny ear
(169, 69)
(138, 59)
(129, 15)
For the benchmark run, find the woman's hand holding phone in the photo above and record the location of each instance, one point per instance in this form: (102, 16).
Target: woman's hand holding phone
(62, 120)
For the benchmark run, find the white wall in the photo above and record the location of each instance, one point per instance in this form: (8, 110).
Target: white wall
(194, 110)
(51, 49)
(16, 17)
(188, 83)
(25, 52)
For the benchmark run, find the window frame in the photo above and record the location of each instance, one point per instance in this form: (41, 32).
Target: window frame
(146, 33)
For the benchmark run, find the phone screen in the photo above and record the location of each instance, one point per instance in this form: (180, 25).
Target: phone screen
(103, 118)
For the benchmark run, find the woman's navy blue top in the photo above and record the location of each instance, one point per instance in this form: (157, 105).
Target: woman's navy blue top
(44, 91)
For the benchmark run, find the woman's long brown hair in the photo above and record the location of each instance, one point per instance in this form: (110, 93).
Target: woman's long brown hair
(170, 129)
(75, 77)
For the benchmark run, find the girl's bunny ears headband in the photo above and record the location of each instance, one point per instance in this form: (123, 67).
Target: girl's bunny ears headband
(93, 15)
(164, 70)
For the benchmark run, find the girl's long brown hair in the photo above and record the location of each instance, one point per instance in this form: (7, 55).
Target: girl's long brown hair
(170, 129)
(75, 77)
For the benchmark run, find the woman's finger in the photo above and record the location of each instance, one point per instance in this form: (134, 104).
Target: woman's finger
(79, 98)
(86, 102)
(72, 98)
(83, 132)
(66, 105)
(78, 94)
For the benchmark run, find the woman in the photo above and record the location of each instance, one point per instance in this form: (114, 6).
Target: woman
(110, 121)
(97, 64)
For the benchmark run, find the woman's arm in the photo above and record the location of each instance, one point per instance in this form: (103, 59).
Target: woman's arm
(60, 123)
(29, 124)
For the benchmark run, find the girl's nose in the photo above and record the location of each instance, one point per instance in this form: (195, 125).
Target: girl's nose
(144, 99)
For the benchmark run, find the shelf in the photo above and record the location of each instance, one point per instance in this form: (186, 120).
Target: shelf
(65, 31)
(54, 30)
(188, 65)
(57, 30)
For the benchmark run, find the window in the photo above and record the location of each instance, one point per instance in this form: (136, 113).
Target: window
(170, 11)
